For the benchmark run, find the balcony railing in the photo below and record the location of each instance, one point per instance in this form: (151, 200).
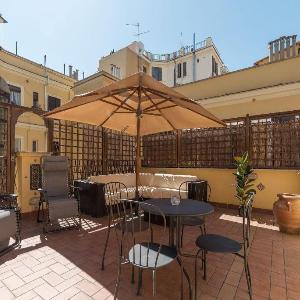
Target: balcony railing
(181, 52)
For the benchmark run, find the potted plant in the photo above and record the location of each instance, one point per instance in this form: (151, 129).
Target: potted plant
(245, 177)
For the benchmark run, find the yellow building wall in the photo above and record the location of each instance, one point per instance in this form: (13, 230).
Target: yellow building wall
(27, 198)
(253, 78)
(256, 107)
(33, 77)
(126, 59)
(222, 183)
(93, 82)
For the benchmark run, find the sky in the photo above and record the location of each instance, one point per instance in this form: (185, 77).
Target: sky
(80, 32)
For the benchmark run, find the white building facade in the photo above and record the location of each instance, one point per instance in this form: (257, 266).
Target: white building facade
(190, 63)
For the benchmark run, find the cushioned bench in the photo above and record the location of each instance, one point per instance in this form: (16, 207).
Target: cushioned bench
(151, 185)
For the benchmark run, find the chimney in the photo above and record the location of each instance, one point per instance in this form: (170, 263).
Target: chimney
(70, 71)
(75, 74)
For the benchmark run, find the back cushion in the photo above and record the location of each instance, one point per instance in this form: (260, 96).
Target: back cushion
(128, 179)
(171, 181)
(55, 175)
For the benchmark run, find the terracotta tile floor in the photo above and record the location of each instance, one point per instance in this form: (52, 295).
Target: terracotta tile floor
(65, 265)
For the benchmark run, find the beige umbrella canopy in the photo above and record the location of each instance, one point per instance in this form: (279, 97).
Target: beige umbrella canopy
(137, 105)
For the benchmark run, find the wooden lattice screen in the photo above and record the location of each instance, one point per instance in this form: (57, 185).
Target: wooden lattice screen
(94, 150)
(120, 152)
(4, 149)
(273, 141)
(160, 150)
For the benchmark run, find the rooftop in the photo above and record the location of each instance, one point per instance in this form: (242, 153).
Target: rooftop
(65, 265)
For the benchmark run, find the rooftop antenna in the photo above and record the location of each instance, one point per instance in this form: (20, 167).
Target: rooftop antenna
(138, 34)
(181, 40)
(2, 20)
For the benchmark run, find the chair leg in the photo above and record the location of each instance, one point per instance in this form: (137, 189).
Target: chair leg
(204, 228)
(186, 276)
(196, 273)
(105, 245)
(154, 284)
(132, 274)
(181, 240)
(204, 263)
(118, 278)
(248, 277)
(140, 282)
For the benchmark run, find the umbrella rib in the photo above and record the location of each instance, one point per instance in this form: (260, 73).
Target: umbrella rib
(127, 105)
(151, 106)
(192, 102)
(154, 109)
(162, 115)
(117, 108)
(113, 104)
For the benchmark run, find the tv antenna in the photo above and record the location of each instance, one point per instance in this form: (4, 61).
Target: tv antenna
(138, 34)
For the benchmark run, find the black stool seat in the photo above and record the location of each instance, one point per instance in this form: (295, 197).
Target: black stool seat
(144, 255)
(218, 243)
(192, 221)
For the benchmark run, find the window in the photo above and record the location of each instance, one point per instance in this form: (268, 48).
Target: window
(157, 73)
(35, 100)
(179, 71)
(34, 146)
(144, 69)
(184, 69)
(18, 144)
(53, 102)
(15, 94)
(214, 67)
(115, 71)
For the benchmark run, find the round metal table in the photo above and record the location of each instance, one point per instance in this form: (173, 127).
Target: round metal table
(186, 208)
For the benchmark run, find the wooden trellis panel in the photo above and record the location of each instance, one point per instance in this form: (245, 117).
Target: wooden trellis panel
(212, 147)
(4, 149)
(160, 150)
(82, 144)
(275, 141)
(120, 152)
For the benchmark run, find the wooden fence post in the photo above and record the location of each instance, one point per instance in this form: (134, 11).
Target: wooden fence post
(104, 151)
(247, 135)
(178, 148)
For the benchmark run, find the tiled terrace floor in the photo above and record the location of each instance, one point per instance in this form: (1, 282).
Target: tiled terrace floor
(65, 265)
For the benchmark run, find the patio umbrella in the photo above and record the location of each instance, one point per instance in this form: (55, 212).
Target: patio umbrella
(137, 105)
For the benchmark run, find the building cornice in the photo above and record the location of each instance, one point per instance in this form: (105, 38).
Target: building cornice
(45, 79)
(260, 94)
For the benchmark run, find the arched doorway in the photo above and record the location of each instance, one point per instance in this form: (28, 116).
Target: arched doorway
(31, 133)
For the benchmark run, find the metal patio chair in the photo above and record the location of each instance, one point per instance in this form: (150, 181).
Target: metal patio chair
(136, 245)
(114, 192)
(193, 220)
(59, 202)
(221, 244)
(9, 222)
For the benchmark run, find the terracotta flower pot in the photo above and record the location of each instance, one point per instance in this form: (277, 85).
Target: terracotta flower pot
(287, 212)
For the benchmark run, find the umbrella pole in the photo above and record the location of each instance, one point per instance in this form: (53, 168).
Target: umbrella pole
(138, 158)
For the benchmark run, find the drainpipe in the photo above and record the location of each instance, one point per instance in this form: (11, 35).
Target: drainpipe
(46, 83)
(194, 57)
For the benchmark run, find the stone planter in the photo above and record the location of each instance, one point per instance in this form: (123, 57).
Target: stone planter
(287, 212)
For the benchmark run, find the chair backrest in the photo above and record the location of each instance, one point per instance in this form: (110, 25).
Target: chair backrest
(198, 190)
(115, 191)
(134, 233)
(55, 175)
(247, 211)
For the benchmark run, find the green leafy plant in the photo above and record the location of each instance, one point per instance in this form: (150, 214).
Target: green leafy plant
(245, 177)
